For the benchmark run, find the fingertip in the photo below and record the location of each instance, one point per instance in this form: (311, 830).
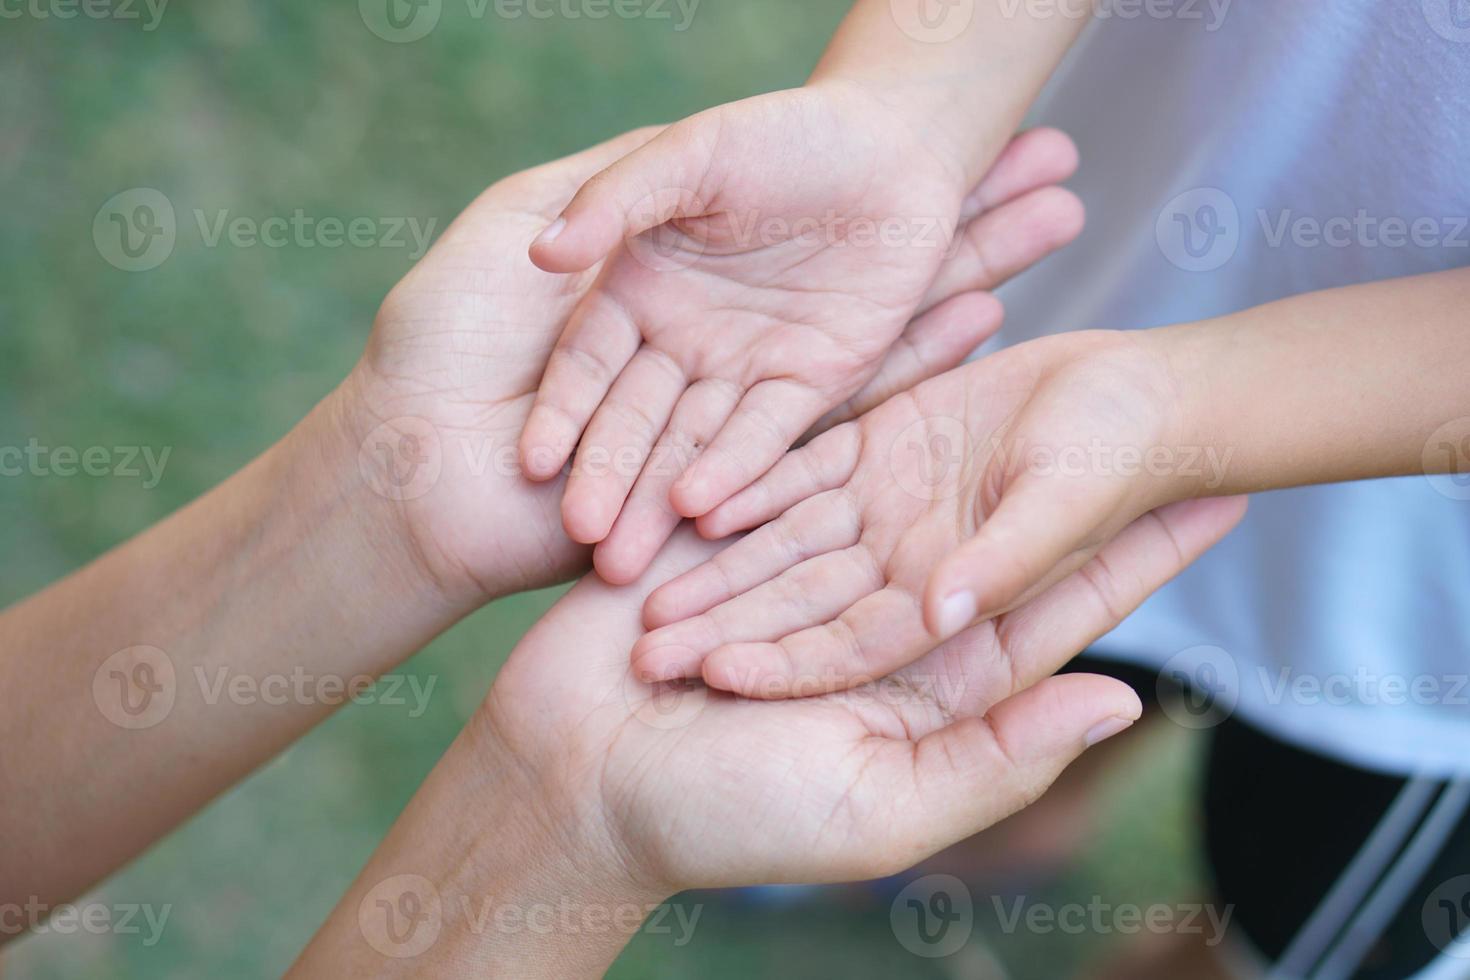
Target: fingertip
(569, 244)
(1070, 216)
(721, 672)
(618, 566)
(539, 463)
(540, 459)
(584, 518)
(715, 525)
(1061, 151)
(654, 664)
(689, 496)
(664, 607)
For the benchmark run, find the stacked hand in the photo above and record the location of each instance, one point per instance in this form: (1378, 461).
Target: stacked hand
(460, 345)
(843, 786)
(1008, 474)
(765, 258)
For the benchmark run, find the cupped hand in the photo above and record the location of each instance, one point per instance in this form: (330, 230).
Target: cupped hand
(957, 502)
(444, 389)
(765, 258)
(682, 786)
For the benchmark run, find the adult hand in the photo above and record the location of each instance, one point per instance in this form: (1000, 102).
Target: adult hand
(577, 787)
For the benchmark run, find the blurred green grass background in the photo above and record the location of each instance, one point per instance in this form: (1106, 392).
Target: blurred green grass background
(261, 109)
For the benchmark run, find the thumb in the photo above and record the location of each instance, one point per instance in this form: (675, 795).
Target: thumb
(978, 771)
(1040, 531)
(654, 184)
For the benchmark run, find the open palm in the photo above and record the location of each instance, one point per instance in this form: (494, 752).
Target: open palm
(975, 467)
(844, 786)
(766, 256)
(452, 369)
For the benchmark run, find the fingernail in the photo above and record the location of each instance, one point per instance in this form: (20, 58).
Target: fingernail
(551, 233)
(959, 610)
(1105, 730)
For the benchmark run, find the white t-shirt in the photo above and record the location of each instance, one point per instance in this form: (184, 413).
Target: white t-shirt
(1237, 153)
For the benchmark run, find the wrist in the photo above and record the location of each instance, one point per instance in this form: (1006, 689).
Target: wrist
(1202, 447)
(492, 871)
(923, 116)
(334, 501)
(390, 467)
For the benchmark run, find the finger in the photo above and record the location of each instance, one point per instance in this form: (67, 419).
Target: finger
(815, 526)
(618, 442)
(1039, 524)
(647, 518)
(937, 341)
(823, 464)
(656, 183)
(1048, 631)
(812, 592)
(1002, 243)
(596, 345)
(768, 421)
(1036, 158)
(978, 771)
(872, 638)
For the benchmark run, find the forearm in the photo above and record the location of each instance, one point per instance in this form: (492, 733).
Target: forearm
(1346, 384)
(249, 615)
(484, 875)
(965, 78)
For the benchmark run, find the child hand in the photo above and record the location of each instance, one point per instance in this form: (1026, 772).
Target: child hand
(776, 249)
(953, 503)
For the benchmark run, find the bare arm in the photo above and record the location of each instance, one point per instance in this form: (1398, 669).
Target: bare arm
(966, 72)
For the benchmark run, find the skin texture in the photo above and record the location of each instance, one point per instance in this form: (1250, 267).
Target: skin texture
(957, 501)
(578, 785)
(831, 590)
(761, 258)
(721, 338)
(392, 511)
(460, 345)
